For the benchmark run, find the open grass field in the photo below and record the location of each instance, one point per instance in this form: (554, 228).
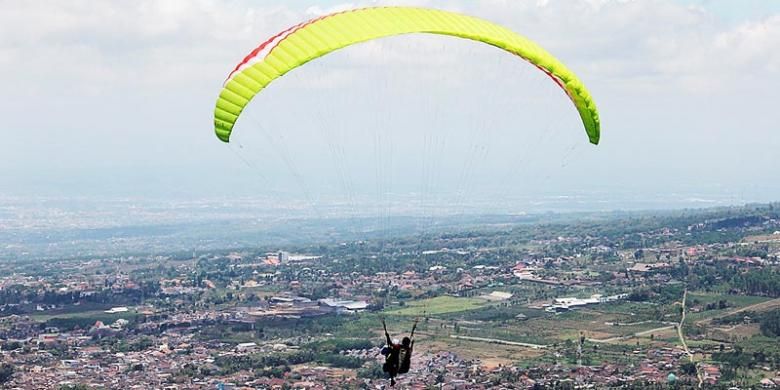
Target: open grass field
(92, 314)
(733, 300)
(438, 305)
(489, 353)
(737, 304)
(48, 316)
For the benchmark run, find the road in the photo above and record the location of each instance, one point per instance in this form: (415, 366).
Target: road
(680, 326)
(632, 335)
(762, 306)
(682, 337)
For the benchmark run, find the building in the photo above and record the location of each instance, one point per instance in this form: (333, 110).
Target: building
(283, 256)
(344, 305)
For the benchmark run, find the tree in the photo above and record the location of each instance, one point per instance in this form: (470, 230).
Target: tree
(6, 372)
(689, 368)
(770, 324)
(74, 387)
(12, 345)
(372, 371)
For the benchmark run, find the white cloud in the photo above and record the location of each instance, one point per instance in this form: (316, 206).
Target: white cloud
(105, 44)
(316, 10)
(175, 41)
(143, 69)
(645, 44)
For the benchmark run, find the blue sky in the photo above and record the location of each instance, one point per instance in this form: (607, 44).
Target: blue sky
(115, 99)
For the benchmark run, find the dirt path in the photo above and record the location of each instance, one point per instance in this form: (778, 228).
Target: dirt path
(762, 306)
(629, 336)
(497, 341)
(682, 337)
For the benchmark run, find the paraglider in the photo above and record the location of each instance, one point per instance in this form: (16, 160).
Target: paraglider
(398, 356)
(306, 41)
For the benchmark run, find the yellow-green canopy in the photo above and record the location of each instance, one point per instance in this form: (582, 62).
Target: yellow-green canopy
(306, 41)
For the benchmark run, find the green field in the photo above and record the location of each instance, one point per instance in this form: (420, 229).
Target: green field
(438, 305)
(96, 314)
(68, 319)
(734, 301)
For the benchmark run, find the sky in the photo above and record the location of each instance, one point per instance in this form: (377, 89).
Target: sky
(116, 98)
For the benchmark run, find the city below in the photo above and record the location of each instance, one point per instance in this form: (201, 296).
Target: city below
(662, 299)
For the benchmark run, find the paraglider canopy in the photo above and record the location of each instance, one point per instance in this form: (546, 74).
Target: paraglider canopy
(304, 42)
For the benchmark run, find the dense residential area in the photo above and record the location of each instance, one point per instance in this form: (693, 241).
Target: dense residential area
(647, 300)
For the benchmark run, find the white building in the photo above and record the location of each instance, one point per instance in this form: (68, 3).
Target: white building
(352, 306)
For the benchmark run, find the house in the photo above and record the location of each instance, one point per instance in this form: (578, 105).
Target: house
(246, 347)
